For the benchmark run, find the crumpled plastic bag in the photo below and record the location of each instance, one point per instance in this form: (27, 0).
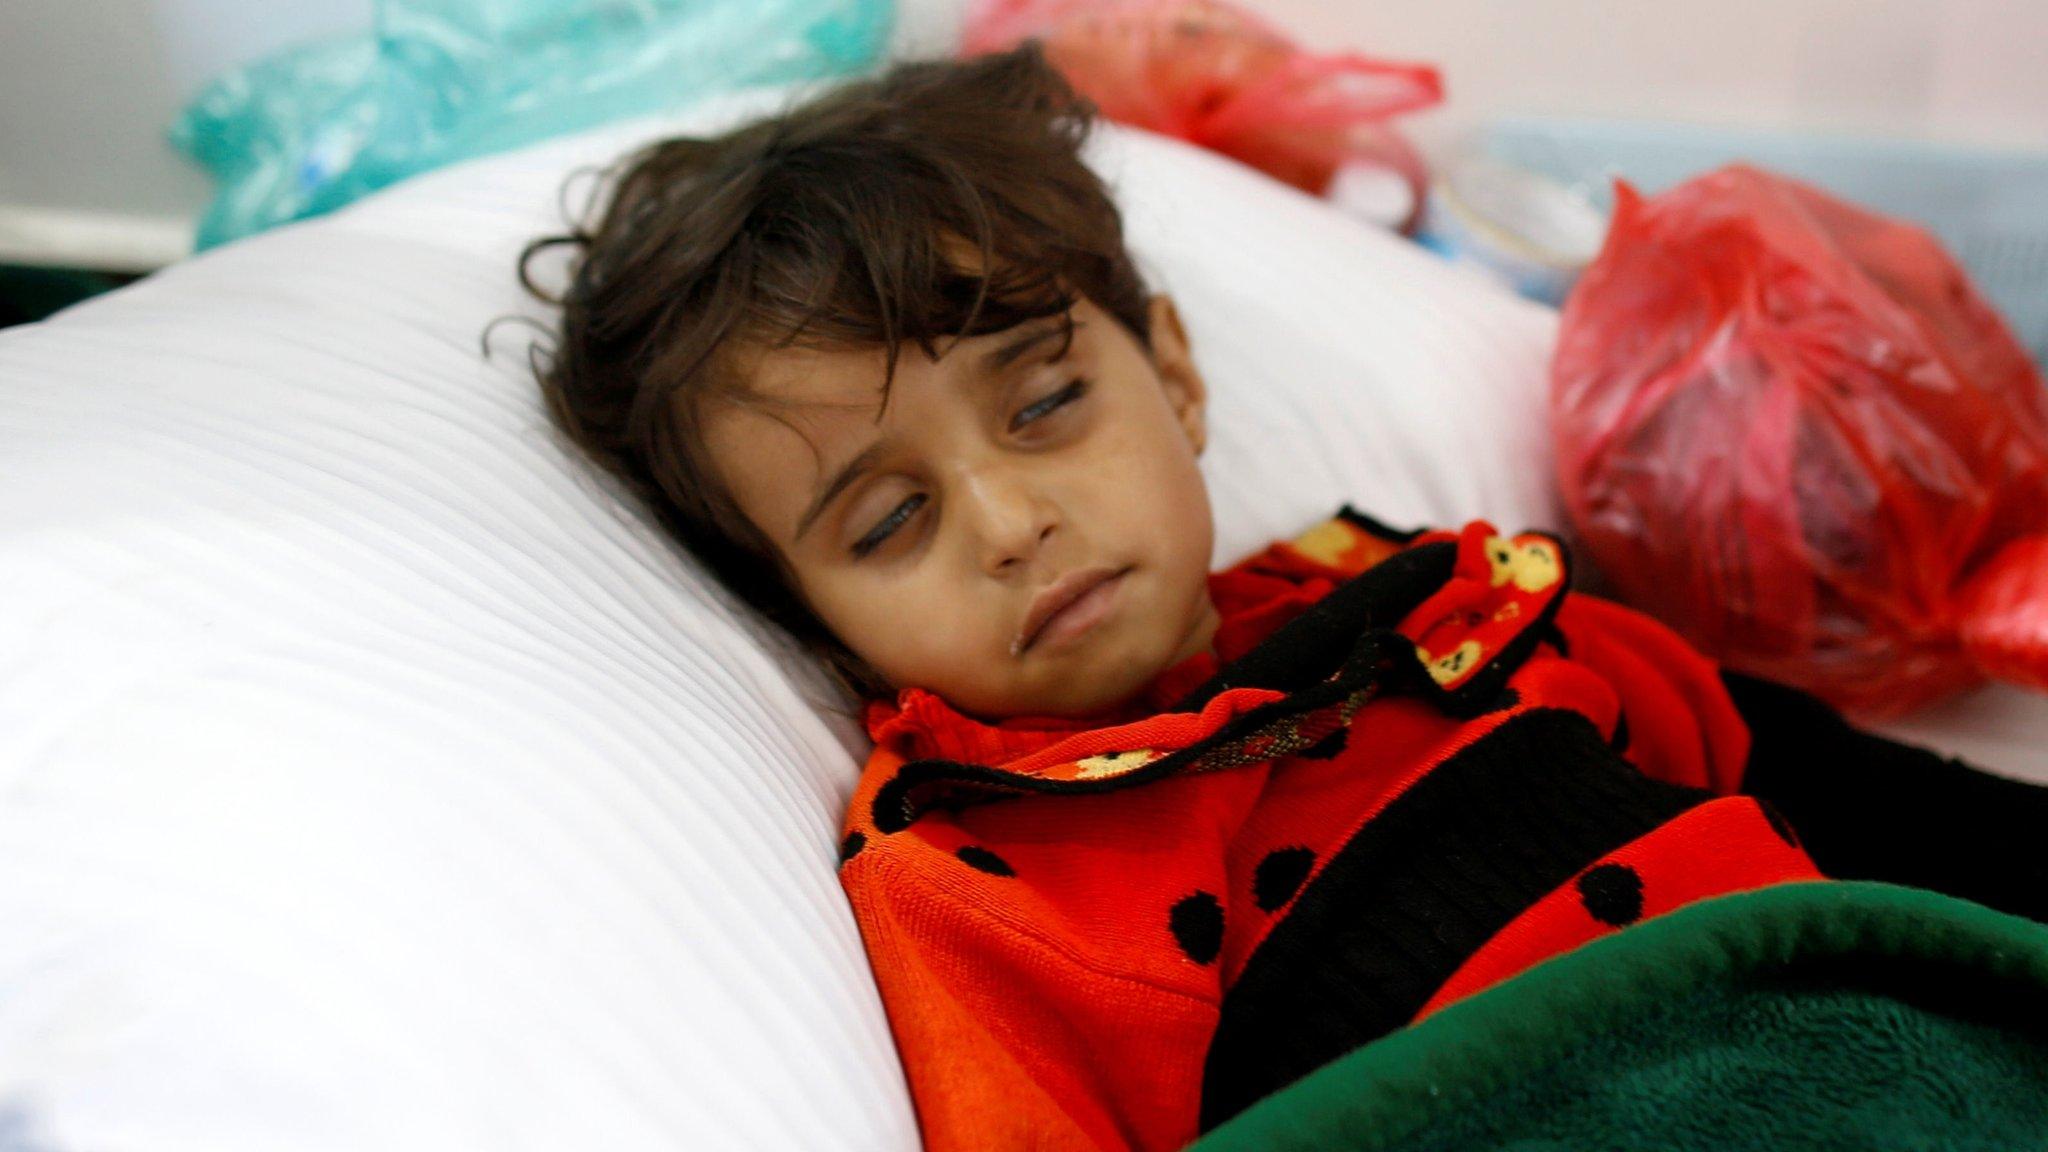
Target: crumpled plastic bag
(308, 130)
(1794, 431)
(1213, 74)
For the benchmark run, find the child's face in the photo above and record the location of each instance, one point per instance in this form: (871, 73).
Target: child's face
(988, 483)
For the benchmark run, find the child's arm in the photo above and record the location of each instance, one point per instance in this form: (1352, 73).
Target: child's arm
(972, 1085)
(1869, 808)
(1864, 807)
(1010, 1034)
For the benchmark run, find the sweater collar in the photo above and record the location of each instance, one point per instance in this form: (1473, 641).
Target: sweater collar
(1449, 617)
(919, 724)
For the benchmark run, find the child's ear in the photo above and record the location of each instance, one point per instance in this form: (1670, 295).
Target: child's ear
(1185, 390)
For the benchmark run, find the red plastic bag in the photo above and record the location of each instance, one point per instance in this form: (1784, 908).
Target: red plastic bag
(1215, 75)
(1791, 429)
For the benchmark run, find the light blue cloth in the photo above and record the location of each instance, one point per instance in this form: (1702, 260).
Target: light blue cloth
(308, 130)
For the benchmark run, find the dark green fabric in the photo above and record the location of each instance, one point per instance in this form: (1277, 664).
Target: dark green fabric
(1814, 1015)
(1766, 1067)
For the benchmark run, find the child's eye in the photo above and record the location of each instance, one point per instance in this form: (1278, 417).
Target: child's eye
(1065, 395)
(888, 526)
(880, 533)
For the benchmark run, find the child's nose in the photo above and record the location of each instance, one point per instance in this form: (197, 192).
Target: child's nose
(1014, 519)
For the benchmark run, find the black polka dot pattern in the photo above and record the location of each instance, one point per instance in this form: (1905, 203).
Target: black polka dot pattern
(851, 846)
(1328, 747)
(1279, 875)
(1619, 742)
(1508, 698)
(1197, 922)
(987, 861)
(1779, 824)
(1612, 894)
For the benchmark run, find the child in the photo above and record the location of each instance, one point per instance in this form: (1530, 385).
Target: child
(1141, 843)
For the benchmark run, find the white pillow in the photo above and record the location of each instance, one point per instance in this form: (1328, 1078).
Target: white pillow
(376, 777)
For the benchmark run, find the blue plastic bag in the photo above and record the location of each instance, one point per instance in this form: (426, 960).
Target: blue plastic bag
(309, 130)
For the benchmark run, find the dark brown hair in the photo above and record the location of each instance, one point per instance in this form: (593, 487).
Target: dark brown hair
(835, 225)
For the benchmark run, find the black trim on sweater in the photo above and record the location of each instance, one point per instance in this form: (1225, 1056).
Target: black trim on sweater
(1331, 659)
(1453, 859)
(1869, 808)
(1378, 527)
(1340, 645)
(1326, 635)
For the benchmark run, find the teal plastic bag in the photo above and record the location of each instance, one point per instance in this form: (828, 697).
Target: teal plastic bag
(309, 130)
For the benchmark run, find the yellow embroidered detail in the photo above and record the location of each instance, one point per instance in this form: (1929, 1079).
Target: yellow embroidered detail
(1328, 542)
(1453, 664)
(1113, 763)
(1532, 565)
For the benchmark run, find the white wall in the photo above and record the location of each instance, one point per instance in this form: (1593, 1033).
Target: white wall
(87, 90)
(1965, 71)
(202, 38)
(87, 87)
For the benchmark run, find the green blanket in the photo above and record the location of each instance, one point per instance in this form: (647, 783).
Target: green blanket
(1814, 1015)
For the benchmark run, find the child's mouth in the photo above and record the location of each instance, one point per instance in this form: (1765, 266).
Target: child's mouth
(1078, 617)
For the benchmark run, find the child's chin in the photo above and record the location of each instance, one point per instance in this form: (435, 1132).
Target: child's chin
(1113, 690)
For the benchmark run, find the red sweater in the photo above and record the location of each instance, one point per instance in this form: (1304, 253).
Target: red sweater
(1413, 767)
